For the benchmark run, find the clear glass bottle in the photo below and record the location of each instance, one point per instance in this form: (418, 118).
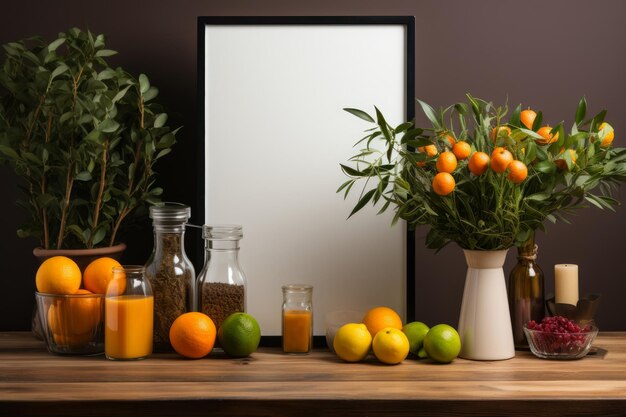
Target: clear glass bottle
(526, 292)
(297, 318)
(170, 272)
(128, 312)
(221, 283)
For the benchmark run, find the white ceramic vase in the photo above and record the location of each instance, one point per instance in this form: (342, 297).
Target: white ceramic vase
(485, 322)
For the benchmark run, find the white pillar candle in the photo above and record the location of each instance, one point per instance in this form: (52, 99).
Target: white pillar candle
(566, 284)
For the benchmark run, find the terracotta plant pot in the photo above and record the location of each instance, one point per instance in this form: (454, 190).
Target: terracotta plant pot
(82, 257)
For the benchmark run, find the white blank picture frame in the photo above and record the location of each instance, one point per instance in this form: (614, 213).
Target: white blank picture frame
(274, 134)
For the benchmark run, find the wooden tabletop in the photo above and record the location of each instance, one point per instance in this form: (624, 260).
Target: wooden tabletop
(35, 382)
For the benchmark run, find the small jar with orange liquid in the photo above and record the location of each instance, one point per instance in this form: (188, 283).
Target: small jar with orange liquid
(297, 318)
(128, 310)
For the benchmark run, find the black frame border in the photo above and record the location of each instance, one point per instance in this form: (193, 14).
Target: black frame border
(407, 21)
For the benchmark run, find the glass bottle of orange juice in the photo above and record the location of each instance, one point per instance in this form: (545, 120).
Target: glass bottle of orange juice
(297, 318)
(128, 309)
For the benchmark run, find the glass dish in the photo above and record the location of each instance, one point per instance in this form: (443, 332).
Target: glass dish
(548, 345)
(72, 324)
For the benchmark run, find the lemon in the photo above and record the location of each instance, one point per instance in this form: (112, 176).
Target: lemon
(239, 335)
(352, 342)
(442, 343)
(390, 346)
(415, 332)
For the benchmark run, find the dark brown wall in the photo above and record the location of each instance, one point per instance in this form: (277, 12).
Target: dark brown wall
(542, 53)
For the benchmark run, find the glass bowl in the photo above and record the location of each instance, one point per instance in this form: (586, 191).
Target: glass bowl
(72, 324)
(548, 345)
(335, 319)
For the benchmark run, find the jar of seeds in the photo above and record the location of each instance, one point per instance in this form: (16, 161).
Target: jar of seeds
(169, 271)
(221, 283)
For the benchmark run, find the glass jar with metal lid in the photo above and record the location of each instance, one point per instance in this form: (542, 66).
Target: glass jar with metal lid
(169, 271)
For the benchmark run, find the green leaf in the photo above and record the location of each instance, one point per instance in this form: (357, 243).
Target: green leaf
(108, 126)
(99, 235)
(83, 176)
(105, 52)
(363, 201)
(150, 94)
(531, 152)
(344, 185)
(430, 114)
(514, 120)
(10, 152)
(539, 197)
(360, 114)
(58, 71)
(411, 134)
(581, 111)
(403, 127)
(144, 83)
(382, 123)
(351, 171)
(163, 152)
(120, 94)
(106, 74)
(531, 133)
(160, 120)
(547, 167)
(166, 141)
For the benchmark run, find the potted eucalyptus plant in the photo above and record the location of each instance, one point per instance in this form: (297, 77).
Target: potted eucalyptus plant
(84, 138)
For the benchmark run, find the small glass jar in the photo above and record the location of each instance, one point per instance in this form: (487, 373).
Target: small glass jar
(169, 271)
(221, 283)
(297, 318)
(526, 292)
(128, 311)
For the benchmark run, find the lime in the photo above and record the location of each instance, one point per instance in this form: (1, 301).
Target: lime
(442, 343)
(422, 353)
(239, 335)
(415, 332)
(352, 342)
(390, 346)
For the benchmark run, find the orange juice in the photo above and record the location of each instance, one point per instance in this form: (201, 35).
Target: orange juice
(296, 331)
(128, 326)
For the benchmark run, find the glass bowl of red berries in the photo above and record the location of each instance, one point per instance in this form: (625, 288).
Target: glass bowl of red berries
(558, 337)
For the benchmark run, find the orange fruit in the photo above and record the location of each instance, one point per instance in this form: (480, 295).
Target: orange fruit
(98, 274)
(431, 150)
(73, 320)
(527, 117)
(443, 183)
(547, 136)
(58, 275)
(496, 131)
(461, 150)
(478, 163)
(560, 163)
(500, 159)
(446, 162)
(518, 171)
(379, 318)
(450, 140)
(192, 335)
(606, 134)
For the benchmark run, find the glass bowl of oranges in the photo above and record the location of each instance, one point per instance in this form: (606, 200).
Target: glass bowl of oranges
(72, 323)
(70, 304)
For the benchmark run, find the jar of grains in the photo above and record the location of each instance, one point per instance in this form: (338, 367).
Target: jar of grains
(169, 271)
(221, 283)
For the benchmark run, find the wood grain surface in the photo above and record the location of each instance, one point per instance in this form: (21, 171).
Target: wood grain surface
(35, 382)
